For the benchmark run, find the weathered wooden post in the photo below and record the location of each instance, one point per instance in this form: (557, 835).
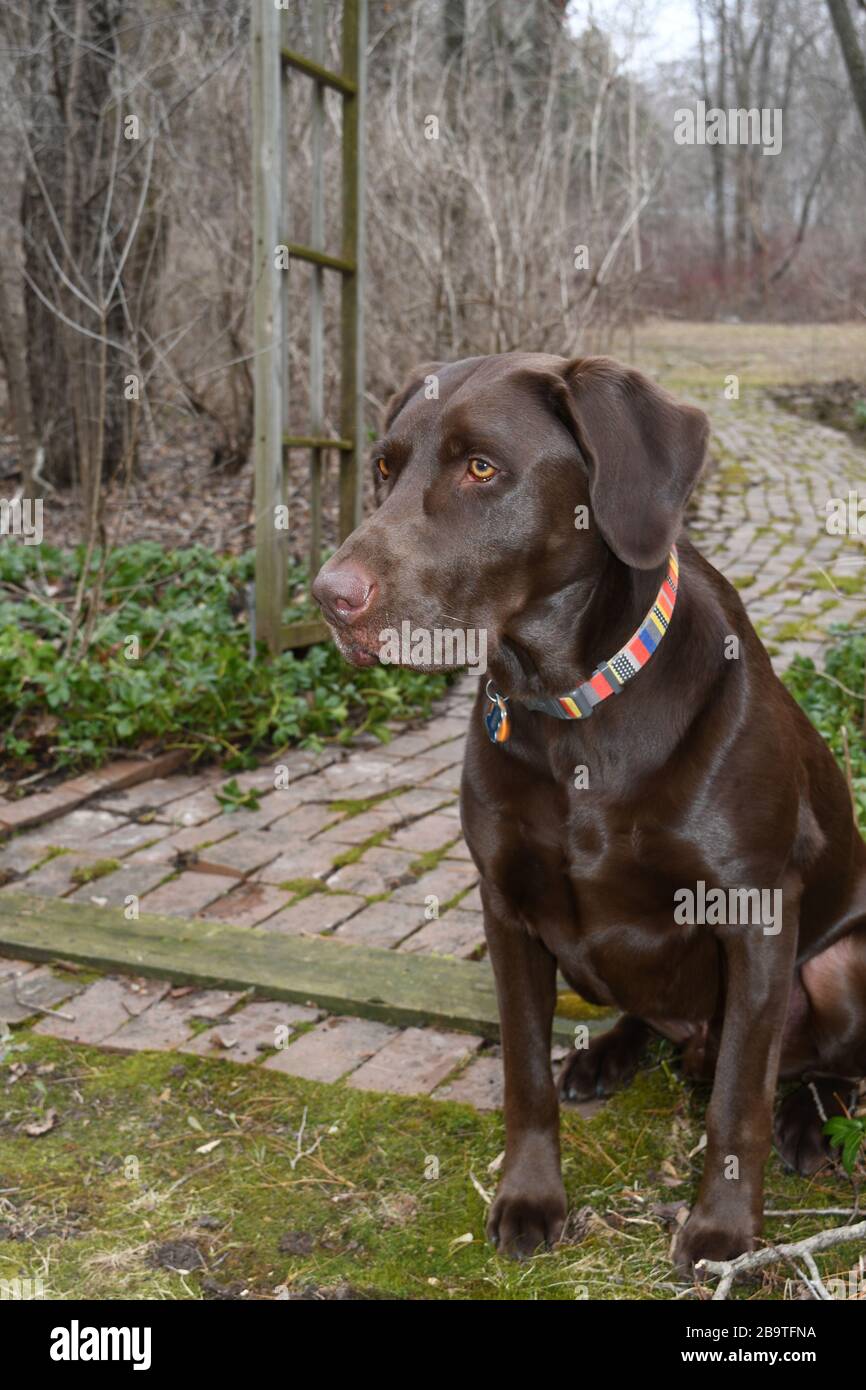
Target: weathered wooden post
(273, 61)
(268, 309)
(352, 308)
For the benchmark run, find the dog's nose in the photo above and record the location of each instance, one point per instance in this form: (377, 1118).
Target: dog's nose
(346, 593)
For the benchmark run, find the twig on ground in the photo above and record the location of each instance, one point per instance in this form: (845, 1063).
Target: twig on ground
(816, 1211)
(729, 1270)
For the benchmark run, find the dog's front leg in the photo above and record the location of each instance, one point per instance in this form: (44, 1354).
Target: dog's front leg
(728, 1213)
(529, 1208)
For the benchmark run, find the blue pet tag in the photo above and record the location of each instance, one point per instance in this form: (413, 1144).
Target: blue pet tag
(497, 720)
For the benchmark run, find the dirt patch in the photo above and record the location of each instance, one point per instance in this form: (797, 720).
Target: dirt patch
(179, 498)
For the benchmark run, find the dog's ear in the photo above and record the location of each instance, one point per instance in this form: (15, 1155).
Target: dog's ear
(644, 452)
(408, 390)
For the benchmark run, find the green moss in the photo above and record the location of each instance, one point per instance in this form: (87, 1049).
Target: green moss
(794, 631)
(355, 806)
(382, 1204)
(732, 475)
(87, 873)
(351, 856)
(302, 887)
(52, 852)
(571, 1005)
(429, 860)
(744, 581)
(842, 584)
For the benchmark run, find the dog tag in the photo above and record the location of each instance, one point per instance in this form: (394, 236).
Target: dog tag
(498, 720)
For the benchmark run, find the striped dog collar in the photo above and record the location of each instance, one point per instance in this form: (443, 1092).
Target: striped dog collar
(608, 678)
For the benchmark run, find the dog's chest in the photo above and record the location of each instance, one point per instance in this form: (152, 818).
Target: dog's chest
(599, 891)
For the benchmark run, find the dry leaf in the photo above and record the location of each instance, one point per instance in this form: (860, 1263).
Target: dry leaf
(459, 1241)
(699, 1146)
(48, 1121)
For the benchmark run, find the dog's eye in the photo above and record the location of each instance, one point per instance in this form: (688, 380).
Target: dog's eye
(384, 470)
(481, 470)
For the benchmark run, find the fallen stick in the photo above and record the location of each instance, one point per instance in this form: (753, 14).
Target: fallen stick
(814, 1211)
(728, 1270)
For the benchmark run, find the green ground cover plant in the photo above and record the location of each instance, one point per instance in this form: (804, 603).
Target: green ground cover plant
(169, 664)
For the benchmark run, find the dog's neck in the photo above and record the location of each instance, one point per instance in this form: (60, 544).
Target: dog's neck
(558, 641)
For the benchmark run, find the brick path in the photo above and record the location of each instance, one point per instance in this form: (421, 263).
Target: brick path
(761, 519)
(365, 845)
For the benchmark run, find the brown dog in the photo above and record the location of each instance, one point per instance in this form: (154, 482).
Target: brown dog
(589, 834)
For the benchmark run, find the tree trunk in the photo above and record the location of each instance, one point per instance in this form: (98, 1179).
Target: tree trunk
(14, 355)
(855, 59)
(82, 189)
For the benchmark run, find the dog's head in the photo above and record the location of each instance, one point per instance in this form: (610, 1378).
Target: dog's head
(502, 482)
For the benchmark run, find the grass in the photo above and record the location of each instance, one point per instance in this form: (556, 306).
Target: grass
(129, 1189)
(699, 356)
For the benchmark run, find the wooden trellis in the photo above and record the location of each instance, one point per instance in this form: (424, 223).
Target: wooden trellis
(273, 66)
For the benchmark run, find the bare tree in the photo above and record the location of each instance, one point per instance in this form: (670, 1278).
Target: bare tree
(853, 54)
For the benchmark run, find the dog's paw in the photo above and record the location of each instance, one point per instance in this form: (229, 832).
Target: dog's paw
(607, 1065)
(798, 1132)
(521, 1223)
(708, 1238)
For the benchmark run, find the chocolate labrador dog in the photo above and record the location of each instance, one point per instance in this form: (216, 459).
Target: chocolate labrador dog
(648, 808)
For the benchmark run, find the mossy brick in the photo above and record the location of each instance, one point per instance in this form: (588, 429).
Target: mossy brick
(449, 878)
(131, 836)
(415, 1062)
(481, 1085)
(332, 1050)
(302, 822)
(306, 860)
(317, 912)
(357, 830)
(187, 811)
(362, 769)
(429, 833)
(382, 924)
(54, 878)
(45, 806)
(38, 990)
(130, 880)
(243, 853)
(251, 1031)
(248, 905)
(378, 870)
(168, 1022)
(419, 801)
(20, 856)
(102, 1008)
(459, 850)
(456, 933)
(185, 895)
(12, 969)
(77, 829)
(153, 794)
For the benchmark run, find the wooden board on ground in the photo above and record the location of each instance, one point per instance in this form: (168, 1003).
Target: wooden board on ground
(338, 976)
